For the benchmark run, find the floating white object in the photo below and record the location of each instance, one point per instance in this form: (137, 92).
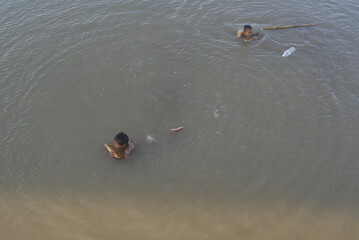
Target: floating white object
(150, 139)
(288, 52)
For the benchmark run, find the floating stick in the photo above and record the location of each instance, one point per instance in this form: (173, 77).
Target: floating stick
(174, 130)
(289, 26)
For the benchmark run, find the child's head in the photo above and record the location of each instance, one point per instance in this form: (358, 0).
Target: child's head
(120, 140)
(247, 30)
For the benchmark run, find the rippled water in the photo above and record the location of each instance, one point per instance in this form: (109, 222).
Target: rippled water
(270, 146)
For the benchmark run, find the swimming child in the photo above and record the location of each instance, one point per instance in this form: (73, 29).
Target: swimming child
(247, 34)
(121, 147)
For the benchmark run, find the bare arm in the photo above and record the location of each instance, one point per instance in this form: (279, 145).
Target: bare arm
(111, 152)
(108, 148)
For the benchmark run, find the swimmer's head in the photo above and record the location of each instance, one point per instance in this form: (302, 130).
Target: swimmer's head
(247, 27)
(120, 140)
(247, 30)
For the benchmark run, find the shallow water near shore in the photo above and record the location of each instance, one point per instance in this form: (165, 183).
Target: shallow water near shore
(270, 145)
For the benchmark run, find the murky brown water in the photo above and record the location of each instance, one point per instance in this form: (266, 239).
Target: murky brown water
(270, 149)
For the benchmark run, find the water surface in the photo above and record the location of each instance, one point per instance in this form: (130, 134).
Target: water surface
(270, 146)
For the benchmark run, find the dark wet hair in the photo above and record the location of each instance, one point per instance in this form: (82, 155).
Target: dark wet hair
(121, 138)
(247, 27)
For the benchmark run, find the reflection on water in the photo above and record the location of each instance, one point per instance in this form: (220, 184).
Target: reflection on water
(269, 148)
